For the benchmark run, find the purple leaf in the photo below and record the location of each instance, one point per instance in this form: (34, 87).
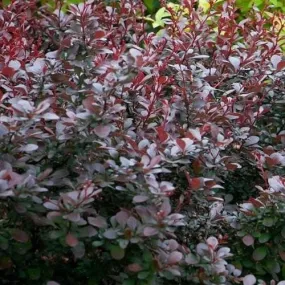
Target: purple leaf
(174, 257)
(191, 259)
(91, 231)
(79, 250)
(202, 248)
(149, 231)
(250, 141)
(98, 222)
(212, 242)
(172, 244)
(102, 131)
(71, 240)
(248, 240)
(132, 223)
(224, 252)
(140, 199)
(249, 280)
(122, 218)
(50, 116)
(165, 207)
(196, 134)
(235, 61)
(275, 59)
(29, 148)
(51, 205)
(37, 67)
(110, 234)
(20, 236)
(3, 130)
(15, 64)
(73, 217)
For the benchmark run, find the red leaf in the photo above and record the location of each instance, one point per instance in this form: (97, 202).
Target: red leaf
(99, 34)
(162, 135)
(52, 283)
(194, 134)
(20, 236)
(181, 143)
(196, 183)
(196, 167)
(88, 104)
(139, 78)
(256, 202)
(162, 79)
(231, 166)
(8, 71)
(281, 65)
(132, 143)
(134, 267)
(282, 255)
(154, 161)
(71, 240)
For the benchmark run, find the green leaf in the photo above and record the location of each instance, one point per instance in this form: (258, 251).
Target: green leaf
(22, 248)
(92, 282)
(143, 274)
(161, 13)
(244, 5)
(283, 271)
(283, 232)
(117, 252)
(97, 243)
(6, 2)
(147, 256)
(129, 282)
(256, 234)
(34, 273)
(259, 253)
(264, 238)
(4, 243)
(5, 262)
(272, 266)
(260, 269)
(268, 222)
(247, 263)
(151, 5)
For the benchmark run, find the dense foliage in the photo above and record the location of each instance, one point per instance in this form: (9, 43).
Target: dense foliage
(138, 150)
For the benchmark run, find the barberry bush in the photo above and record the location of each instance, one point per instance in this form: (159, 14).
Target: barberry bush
(141, 151)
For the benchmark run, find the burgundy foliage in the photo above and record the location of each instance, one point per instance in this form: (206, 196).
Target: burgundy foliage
(115, 139)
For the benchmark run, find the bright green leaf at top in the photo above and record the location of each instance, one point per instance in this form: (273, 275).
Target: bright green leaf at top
(151, 5)
(244, 6)
(204, 4)
(6, 2)
(159, 16)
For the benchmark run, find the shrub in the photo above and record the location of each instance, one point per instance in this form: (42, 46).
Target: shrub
(117, 144)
